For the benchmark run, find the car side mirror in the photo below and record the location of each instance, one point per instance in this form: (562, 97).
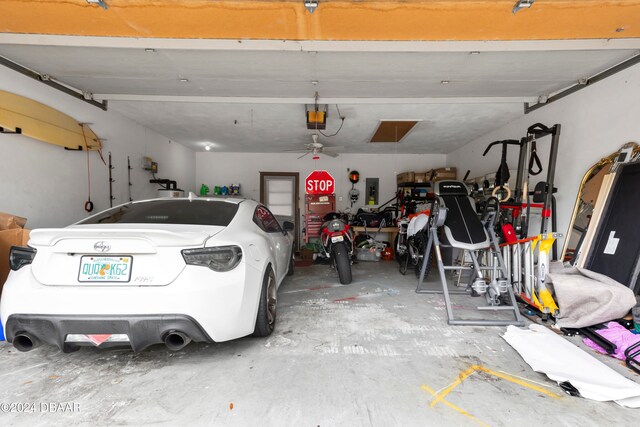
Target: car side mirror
(288, 226)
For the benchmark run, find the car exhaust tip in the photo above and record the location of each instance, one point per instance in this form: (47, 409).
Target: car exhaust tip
(176, 340)
(25, 342)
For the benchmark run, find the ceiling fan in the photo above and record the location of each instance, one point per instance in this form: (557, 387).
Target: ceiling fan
(315, 148)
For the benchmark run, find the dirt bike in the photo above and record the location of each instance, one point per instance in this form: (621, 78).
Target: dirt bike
(337, 243)
(411, 242)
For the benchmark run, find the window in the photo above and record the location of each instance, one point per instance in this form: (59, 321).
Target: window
(196, 212)
(266, 221)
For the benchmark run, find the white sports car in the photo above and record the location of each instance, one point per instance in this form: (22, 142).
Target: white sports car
(156, 271)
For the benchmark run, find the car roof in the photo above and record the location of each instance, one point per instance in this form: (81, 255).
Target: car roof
(233, 200)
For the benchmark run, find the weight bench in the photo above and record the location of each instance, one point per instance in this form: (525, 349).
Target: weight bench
(454, 223)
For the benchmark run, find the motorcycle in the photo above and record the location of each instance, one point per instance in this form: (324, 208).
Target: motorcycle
(411, 242)
(337, 242)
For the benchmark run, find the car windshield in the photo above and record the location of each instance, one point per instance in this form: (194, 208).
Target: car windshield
(196, 212)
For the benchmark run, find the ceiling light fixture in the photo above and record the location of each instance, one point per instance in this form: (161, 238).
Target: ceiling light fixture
(311, 5)
(101, 3)
(183, 80)
(150, 50)
(207, 147)
(444, 82)
(316, 115)
(522, 4)
(474, 52)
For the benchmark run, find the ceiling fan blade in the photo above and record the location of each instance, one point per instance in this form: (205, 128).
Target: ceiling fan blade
(303, 155)
(299, 150)
(330, 154)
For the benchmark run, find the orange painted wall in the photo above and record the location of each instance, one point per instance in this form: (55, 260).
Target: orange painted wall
(333, 20)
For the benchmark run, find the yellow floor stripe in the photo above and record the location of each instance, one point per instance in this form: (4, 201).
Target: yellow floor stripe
(514, 380)
(439, 397)
(461, 377)
(456, 408)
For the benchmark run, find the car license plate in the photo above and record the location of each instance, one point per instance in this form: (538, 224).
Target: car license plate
(105, 268)
(336, 239)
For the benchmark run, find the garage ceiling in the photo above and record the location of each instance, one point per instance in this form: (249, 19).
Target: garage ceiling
(249, 95)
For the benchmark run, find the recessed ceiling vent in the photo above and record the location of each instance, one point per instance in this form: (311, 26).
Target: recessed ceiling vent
(392, 131)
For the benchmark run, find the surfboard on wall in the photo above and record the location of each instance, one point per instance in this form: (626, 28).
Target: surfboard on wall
(46, 124)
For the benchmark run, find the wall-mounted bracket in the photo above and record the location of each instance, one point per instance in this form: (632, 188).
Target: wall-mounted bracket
(7, 131)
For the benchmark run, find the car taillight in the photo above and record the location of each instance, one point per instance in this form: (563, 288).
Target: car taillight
(19, 256)
(219, 258)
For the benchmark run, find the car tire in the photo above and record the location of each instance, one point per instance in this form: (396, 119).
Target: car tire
(292, 264)
(343, 263)
(266, 317)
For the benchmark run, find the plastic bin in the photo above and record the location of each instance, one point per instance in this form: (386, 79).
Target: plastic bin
(368, 254)
(1, 333)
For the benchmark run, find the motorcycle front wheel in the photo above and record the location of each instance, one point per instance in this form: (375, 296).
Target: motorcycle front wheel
(342, 262)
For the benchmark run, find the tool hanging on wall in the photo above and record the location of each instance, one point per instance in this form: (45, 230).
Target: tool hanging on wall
(88, 205)
(129, 177)
(111, 181)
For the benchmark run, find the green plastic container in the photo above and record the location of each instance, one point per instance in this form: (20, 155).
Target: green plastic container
(635, 312)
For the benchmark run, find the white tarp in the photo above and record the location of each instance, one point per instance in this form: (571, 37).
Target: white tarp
(560, 360)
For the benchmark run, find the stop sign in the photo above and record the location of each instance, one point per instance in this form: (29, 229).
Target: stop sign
(319, 182)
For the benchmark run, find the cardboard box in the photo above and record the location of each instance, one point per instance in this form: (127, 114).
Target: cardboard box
(12, 233)
(8, 221)
(306, 254)
(443, 173)
(405, 177)
(420, 177)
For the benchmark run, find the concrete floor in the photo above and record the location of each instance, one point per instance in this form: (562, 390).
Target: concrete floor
(369, 354)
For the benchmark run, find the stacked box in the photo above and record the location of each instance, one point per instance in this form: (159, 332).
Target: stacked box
(405, 177)
(443, 173)
(421, 177)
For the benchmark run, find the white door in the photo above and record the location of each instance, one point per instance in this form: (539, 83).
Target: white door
(280, 196)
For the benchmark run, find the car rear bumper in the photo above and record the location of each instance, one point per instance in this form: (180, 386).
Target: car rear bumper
(141, 330)
(224, 305)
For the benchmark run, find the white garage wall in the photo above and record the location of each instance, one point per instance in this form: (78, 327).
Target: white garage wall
(48, 185)
(595, 121)
(244, 168)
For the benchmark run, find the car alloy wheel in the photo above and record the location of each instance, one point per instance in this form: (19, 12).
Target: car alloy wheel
(271, 300)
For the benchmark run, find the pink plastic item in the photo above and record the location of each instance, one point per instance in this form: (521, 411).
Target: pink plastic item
(617, 334)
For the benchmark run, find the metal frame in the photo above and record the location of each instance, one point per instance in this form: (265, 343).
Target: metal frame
(494, 251)
(584, 83)
(46, 79)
